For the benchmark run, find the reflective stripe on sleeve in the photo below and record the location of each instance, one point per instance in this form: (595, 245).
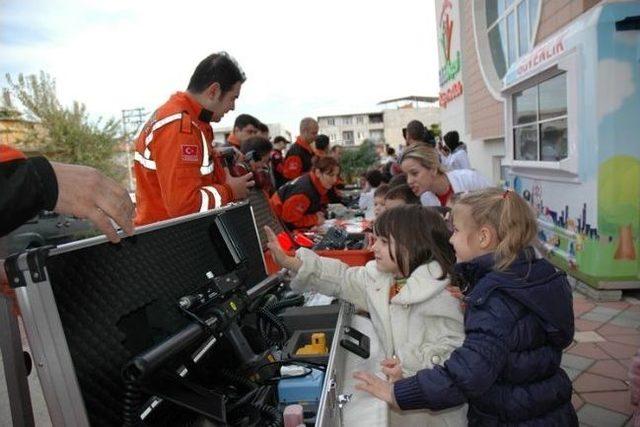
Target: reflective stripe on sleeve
(217, 198)
(146, 163)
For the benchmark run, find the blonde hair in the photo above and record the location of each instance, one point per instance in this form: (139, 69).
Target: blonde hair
(509, 215)
(427, 157)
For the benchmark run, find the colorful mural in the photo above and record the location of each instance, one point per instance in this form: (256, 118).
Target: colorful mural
(590, 223)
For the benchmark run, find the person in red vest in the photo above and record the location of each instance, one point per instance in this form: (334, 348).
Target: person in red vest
(177, 170)
(29, 185)
(300, 155)
(300, 203)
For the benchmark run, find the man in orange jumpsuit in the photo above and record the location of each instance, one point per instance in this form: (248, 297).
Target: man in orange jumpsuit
(300, 155)
(178, 171)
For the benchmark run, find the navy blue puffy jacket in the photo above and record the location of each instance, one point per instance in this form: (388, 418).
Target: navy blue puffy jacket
(508, 369)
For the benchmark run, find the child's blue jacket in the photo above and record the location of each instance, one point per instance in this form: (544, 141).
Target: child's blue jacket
(517, 322)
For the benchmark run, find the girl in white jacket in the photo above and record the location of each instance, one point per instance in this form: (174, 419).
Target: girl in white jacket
(419, 323)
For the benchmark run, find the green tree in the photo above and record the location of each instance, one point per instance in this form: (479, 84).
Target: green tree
(69, 135)
(356, 161)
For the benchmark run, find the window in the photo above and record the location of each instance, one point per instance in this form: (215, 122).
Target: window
(375, 118)
(359, 119)
(360, 136)
(511, 30)
(376, 134)
(540, 130)
(331, 121)
(332, 137)
(347, 136)
(347, 120)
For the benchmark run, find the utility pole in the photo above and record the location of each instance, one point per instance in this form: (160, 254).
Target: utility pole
(132, 119)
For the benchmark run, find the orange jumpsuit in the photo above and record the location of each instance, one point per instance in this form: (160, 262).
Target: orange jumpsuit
(297, 202)
(177, 170)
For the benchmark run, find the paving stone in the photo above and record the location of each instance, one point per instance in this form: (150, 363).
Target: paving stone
(596, 317)
(609, 329)
(606, 310)
(586, 325)
(617, 350)
(576, 401)
(587, 382)
(625, 321)
(588, 336)
(633, 340)
(572, 373)
(610, 368)
(617, 401)
(596, 416)
(618, 305)
(590, 351)
(576, 362)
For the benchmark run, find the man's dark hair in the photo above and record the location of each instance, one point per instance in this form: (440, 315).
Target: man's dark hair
(417, 132)
(374, 178)
(452, 140)
(279, 138)
(322, 142)
(244, 120)
(262, 127)
(256, 147)
(218, 68)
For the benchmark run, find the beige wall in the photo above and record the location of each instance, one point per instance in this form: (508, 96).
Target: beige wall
(484, 113)
(396, 119)
(558, 13)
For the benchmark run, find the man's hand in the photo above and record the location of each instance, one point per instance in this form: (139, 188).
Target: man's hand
(85, 192)
(392, 368)
(279, 256)
(321, 218)
(240, 185)
(381, 389)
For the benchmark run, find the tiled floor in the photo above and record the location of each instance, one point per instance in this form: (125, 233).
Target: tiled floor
(607, 337)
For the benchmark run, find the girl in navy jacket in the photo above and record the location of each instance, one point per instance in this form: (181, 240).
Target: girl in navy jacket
(519, 318)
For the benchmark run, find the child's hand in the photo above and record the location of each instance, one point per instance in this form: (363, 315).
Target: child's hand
(279, 256)
(392, 368)
(381, 389)
(457, 293)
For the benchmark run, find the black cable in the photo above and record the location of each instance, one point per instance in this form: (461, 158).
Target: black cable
(272, 412)
(131, 403)
(267, 321)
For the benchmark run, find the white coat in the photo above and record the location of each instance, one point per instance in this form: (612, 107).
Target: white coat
(459, 159)
(462, 181)
(421, 325)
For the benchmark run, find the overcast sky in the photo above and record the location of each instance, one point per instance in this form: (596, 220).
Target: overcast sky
(302, 58)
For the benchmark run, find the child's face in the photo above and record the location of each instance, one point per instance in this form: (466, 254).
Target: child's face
(466, 239)
(383, 248)
(393, 203)
(378, 206)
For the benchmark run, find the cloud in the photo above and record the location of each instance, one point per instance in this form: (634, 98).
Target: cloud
(301, 58)
(614, 90)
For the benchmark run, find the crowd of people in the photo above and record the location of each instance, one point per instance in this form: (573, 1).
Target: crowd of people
(471, 322)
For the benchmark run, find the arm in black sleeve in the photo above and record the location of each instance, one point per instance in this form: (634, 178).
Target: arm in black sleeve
(27, 186)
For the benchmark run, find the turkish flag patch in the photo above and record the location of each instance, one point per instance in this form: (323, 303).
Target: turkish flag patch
(189, 153)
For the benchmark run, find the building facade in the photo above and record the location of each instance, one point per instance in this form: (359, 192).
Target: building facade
(381, 126)
(547, 94)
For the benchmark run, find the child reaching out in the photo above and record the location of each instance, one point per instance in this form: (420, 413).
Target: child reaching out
(519, 318)
(418, 322)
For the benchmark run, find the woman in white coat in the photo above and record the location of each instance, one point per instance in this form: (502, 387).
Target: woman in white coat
(417, 321)
(425, 174)
(458, 157)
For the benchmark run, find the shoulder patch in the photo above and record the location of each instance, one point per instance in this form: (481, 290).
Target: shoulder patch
(185, 123)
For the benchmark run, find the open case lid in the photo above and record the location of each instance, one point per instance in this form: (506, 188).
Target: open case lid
(89, 306)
